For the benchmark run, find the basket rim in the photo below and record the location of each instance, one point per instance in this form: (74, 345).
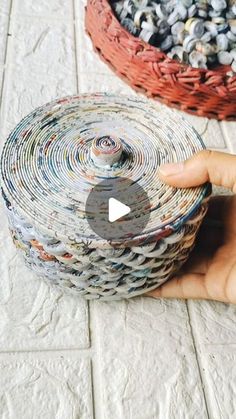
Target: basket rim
(105, 8)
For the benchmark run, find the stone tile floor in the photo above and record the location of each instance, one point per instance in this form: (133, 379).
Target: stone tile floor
(59, 356)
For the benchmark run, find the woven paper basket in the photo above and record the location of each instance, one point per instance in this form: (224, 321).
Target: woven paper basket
(149, 70)
(53, 160)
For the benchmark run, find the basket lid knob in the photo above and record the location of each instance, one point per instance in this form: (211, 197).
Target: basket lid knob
(106, 150)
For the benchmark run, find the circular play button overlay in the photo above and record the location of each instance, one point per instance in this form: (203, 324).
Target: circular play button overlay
(117, 209)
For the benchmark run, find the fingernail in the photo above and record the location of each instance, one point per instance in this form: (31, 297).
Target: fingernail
(171, 169)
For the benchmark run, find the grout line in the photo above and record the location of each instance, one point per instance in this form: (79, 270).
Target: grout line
(95, 365)
(88, 325)
(93, 390)
(199, 364)
(75, 46)
(205, 128)
(84, 352)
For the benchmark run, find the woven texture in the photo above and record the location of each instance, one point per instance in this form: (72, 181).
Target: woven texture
(48, 170)
(149, 70)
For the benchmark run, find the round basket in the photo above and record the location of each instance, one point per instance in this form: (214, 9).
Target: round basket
(59, 153)
(147, 69)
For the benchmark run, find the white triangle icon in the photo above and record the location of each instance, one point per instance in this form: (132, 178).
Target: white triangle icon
(116, 210)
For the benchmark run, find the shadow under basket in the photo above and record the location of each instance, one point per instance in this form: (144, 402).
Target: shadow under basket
(209, 93)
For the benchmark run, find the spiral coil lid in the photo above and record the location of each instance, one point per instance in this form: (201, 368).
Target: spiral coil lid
(59, 152)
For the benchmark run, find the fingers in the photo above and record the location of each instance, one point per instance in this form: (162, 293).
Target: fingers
(213, 166)
(184, 287)
(217, 284)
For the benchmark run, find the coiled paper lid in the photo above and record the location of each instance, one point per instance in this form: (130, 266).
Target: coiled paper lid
(58, 153)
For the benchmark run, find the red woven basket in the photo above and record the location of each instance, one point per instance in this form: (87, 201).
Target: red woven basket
(149, 70)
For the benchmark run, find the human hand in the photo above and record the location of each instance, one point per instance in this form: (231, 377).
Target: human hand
(210, 272)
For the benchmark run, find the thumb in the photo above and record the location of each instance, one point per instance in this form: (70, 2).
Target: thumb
(213, 166)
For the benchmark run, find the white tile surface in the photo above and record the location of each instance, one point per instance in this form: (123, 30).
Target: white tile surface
(41, 66)
(147, 360)
(150, 359)
(34, 315)
(229, 131)
(5, 6)
(4, 22)
(45, 9)
(53, 388)
(214, 331)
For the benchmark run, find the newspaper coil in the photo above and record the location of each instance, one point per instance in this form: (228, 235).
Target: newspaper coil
(59, 152)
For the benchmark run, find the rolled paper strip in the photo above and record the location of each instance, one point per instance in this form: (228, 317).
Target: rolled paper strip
(187, 3)
(222, 42)
(60, 152)
(192, 10)
(167, 43)
(206, 37)
(231, 37)
(219, 5)
(182, 11)
(173, 17)
(189, 43)
(219, 20)
(225, 57)
(177, 28)
(145, 35)
(197, 59)
(160, 11)
(232, 23)
(205, 49)
(106, 151)
(188, 23)
(211, 27)
(195, 27)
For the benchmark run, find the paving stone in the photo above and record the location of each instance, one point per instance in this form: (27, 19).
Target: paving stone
(147, 360)
(34, 315)
(55, 388)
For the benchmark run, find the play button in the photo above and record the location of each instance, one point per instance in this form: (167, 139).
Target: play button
(117, 210)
